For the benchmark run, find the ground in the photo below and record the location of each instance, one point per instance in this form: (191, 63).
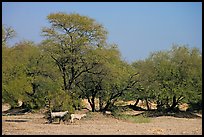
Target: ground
(99, 124)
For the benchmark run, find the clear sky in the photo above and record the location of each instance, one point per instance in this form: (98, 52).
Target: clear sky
(138, 28)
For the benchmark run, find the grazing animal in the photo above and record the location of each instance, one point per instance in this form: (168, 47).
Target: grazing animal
(76, 116)
(108, 112)
(59, 115)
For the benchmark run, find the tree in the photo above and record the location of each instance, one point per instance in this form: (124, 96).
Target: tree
(175, 77)
(189, 63)
(109, 80)
(31, 76)
(7, 34)
(68, 40)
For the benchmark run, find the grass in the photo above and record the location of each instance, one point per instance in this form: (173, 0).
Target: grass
(134, 119)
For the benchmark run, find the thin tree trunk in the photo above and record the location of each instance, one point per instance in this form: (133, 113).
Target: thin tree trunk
(93, 104)
(174, 103)
(90, 102)
(107, 106)
(100, 103)
(148, 108)
(137, 101)
(64, 78)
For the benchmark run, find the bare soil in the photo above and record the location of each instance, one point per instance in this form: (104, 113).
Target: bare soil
(99, 124)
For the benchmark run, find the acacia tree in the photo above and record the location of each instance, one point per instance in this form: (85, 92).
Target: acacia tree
(176, 77)
(68, 40)
(109, 81)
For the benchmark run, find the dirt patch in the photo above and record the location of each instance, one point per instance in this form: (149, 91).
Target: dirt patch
(99, 124)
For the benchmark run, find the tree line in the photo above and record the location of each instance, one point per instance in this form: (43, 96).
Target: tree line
(75, 62)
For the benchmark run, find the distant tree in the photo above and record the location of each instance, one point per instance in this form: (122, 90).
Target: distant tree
(7, 34)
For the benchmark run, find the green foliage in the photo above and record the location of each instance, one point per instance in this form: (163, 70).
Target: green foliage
(60, 101)
(68, 42)
(146, 77)
(75, 62)
(74, 29)
(15, 82)
(171, 77)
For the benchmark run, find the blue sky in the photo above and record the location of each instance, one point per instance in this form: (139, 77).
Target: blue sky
(138, 28)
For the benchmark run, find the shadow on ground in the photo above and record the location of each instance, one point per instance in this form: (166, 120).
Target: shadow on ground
(16, 120)
(178, 114)
(156, 113)
(15, 111)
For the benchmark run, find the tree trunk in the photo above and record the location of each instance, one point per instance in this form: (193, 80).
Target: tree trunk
(174, 103)
(160, 105)
(64, 78)
(137, 101)
(107, 106)
(167, 102)
(148, 108)
(93, 104)
(100, 103)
